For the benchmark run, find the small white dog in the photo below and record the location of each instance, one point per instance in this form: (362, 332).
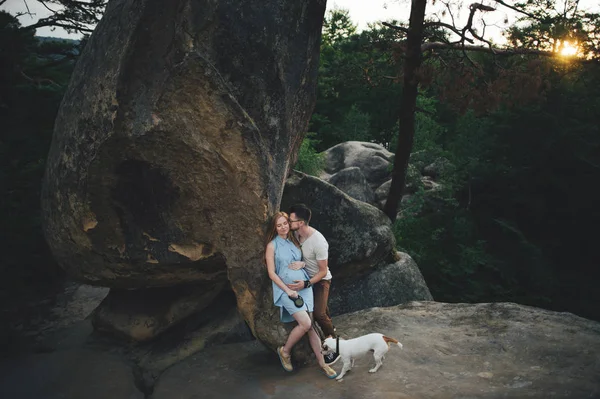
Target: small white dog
(351, 348)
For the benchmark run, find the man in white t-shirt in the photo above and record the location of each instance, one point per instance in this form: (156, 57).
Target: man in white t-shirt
(315, 254)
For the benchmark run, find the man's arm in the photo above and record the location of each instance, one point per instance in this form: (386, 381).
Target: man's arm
(322, 271)
(297, 285)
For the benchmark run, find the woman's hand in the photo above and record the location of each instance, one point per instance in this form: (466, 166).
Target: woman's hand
(297, 265)
(292, 294)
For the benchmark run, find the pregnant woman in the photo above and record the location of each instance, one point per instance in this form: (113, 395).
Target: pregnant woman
(282, 250)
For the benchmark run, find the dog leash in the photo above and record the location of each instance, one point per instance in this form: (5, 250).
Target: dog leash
(300, 301)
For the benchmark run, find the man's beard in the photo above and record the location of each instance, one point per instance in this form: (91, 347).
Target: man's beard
(294, 229)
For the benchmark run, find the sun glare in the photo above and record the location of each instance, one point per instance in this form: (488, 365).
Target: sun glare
(569, 49)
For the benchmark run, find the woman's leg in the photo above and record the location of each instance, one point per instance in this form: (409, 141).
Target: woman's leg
(315, 344)
(304, 325)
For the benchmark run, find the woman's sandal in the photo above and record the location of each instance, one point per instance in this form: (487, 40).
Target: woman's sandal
(329, 372)
(286, 361)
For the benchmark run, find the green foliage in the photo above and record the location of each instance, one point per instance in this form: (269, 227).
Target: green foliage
(35, 75)
(428, 131)
(355, 125)
(309, 161)
(337, 26)
(445, 245)
(356, 98)
(511, 221)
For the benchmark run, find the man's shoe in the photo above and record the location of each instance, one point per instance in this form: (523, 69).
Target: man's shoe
(331, 358)
(329, 372)
(286, 361)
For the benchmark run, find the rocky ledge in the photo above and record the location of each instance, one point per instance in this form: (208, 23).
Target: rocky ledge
(499, 350)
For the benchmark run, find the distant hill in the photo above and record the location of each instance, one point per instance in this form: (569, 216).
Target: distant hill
(56, 39)
(57, 47)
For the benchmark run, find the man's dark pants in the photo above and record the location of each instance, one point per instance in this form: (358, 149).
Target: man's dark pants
(321, 310)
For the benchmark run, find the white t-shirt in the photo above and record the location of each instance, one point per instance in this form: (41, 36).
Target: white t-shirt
(313, 249)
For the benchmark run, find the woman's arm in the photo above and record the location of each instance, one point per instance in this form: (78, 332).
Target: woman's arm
(270, 259)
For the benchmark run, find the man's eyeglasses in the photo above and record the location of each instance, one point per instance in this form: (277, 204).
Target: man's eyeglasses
(299, 220)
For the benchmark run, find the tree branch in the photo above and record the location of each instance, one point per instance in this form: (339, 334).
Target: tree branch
(482, 49)
(45, 5)
(517, 9)
(27, 8)
(59, 24)
(40, 81)
(424, 111)
(448, 26)
(395, 27)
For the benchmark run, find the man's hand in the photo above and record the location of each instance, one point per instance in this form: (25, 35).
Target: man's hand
(297, 265)
(297, 285)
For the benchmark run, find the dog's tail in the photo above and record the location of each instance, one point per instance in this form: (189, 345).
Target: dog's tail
(392, 340)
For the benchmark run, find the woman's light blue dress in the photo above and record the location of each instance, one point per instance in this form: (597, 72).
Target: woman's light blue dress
(285, 253)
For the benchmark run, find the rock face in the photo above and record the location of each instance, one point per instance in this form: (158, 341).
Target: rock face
(359, 235)
(387, 285)
(173, 141)
(144, 314)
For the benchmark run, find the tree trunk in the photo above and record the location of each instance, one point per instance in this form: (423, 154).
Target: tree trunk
(407, 107)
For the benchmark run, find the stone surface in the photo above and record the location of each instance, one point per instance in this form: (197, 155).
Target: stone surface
(359, 235)
(26, 325)
(173, 141)
(479, 351)
(353, 182)
(387, 285)
(373, 160)
(71, 374)
(143, 314)
(382, 191)
(192, 336)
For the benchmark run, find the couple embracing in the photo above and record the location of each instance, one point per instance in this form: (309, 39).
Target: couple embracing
(296, 258)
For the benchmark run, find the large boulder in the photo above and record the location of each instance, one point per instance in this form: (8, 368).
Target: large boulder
(348, 164)
(387, 285)
(173, 141)
(437, 168)
(359, 235)
(374, 160)
(353, 182)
